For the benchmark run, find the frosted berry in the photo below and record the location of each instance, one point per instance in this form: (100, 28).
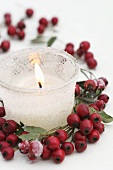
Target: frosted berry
(73, 120)
(77, 90)
(4, 145)
(93, 136)
(46, 153)
(83, 111)
(5, 45)
(2, 136)
(86, 126)
(103, 97)
(100, 84)
(67, 147)
(21, 25)
(94, 106)
(54, 21)
(2, 111)
(69, 49)
(70, 45)
(84, 46)
(10, 126)
(44, 22)
(88, 55)
(52, 142)
(36, 148)
(105, 80)
(2, 121)
(21, 35)
(24, 147)
(61, 135)
(96, 119)
(80, 52)
(58, 155)
(31, 158)
(8, 153)
(80, 145)
(41, 29)
(92, 63)
(11, 30)
(29, 12)
(90, 85)
(100, 128)
(100, 104)
(79, 136)
(12, 139)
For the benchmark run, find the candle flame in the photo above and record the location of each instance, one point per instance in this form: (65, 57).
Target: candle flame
(39, 75)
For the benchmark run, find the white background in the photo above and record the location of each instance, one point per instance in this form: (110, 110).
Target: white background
(90, 20)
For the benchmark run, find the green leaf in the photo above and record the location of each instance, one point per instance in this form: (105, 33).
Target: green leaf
(81, 84)
(19, 131)
(105, 117)
(92, 110)
(39, 39)
(28, 136)
(51, 41)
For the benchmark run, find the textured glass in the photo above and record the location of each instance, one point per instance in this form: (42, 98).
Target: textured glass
(47, 107)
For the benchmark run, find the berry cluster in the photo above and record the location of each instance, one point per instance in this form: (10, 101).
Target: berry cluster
(82, 51)
(8, 138)
(44, 23)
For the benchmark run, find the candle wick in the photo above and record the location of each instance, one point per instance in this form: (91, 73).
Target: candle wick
(40, 85)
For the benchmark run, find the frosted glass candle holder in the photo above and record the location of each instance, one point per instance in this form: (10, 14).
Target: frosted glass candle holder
(49, 106)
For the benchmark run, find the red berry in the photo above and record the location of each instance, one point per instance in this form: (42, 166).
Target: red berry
(8, 153)
(41, 29)
(88, 55)
(96, 119)
(8, 21)
(103, 97)
(46, 153)
(21, 25)
(86, 126)
(93, 136)
(84, 46)
(61, 135)
(100, 104)
(2, 121)
(5, 45)
(80, 52)
(52, 142)
(4, 145)
(77, 90)
(29, 12)
(67, 147)
(54, 20)
(105, 80)
(24, 147)
(83, 111)
(7, 15)
(92, 63)
(100, 128)
(100, 84)
(80, 145)
(94, 106)
(73, 120)
(21, 34)
(2, 136)
(79, 136)
(90, 85)
(11, 30)
(44, 22)
(10, 126)
(70, 50)
(58, 155)
(12, 139)
(2, 111)
(70, 45)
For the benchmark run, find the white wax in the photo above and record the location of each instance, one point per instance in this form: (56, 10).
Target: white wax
(28, 80)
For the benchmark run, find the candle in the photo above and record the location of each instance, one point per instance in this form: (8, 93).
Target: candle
(24, 101)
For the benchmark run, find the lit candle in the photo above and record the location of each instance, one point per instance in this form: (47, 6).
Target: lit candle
(39, 75)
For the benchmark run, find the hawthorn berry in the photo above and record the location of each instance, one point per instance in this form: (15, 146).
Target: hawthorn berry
(83, 111)
(8, 153)
(10, 126)
(88, 55)
(24, 147)
(54, 21)
(84, 46)
(21, 35)
(77, 90)
(2, 136)
(67, 147)
(46, 154)
(2, 121)
(70, 45)
(73, 120)
(100, 104)
(41, 29)
(21, 25)
(29, 12)
(86, 126)
(69, 49)
(96, 119)
(58, 155)
(61, 135)
(8, 21)
(100, 128)
(5, 45)
(93, 136)
(4, 145)
(80, 145)
(7, 15)
(94, 106)
(44, 22)
(52, 142)
(11, 30)
(12, 139)
(80, 52)
(79, 136)
(100, 84)
(90, 85)
(2, 111)
(92, 63)
(103, 97)
(105, 80)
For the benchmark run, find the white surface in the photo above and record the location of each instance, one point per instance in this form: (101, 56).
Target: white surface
(79, 20)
